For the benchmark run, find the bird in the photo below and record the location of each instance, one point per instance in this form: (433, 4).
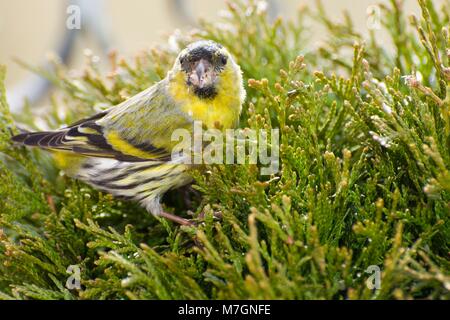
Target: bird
(126, 150)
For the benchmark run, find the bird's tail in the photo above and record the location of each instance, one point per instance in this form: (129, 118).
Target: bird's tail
(34, 139)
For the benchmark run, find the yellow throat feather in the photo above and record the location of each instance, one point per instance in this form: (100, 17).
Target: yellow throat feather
(222, 111)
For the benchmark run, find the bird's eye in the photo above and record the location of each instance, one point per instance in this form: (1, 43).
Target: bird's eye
(223, 59)
(182, 60)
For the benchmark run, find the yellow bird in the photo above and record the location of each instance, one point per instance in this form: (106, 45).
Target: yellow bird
(127, 149)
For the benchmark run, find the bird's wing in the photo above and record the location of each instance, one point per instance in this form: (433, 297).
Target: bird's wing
(136, 130)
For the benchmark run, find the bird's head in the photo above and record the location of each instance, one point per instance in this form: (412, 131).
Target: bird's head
(203, 63)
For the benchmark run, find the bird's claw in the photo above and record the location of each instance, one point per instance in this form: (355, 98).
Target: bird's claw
(189, 222)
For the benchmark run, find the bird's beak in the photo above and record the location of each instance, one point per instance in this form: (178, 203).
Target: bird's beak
(202, 75)
(200, 71)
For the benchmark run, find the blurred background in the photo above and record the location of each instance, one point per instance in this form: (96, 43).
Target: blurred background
(30, 30)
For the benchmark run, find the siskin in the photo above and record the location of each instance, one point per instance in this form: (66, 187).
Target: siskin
(126, 150)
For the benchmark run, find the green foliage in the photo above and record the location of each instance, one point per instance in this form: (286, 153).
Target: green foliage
(364, 176)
